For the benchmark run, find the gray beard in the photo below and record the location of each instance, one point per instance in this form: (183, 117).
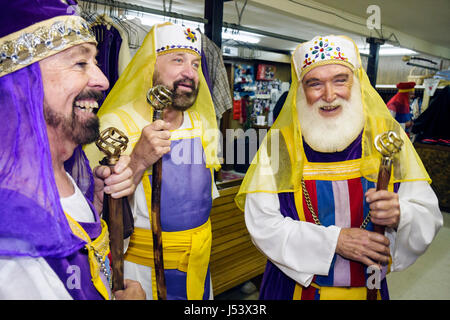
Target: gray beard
(331, 134)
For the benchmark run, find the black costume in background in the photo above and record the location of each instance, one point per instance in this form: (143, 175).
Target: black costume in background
(433, 125)
(279, 105)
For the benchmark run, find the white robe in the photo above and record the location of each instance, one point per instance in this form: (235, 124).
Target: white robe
(302, 249)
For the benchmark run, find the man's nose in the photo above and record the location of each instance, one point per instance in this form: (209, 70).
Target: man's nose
(189, 71)
(329, 94)
(98, 80)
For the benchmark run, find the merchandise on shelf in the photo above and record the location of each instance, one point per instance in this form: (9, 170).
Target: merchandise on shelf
(260, 95)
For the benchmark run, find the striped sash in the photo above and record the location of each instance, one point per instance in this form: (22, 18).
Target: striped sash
(340, 203)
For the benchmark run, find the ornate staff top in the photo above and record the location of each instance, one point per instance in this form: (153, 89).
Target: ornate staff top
(112, 142)
(388, 143)
(159, 97)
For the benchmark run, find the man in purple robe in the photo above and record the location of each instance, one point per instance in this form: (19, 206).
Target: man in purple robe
(53, 243)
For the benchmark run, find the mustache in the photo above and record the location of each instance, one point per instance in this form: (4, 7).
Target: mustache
(91, 94)
(335, 103)
(186, 82)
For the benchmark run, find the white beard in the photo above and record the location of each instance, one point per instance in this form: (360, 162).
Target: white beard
(331, 134)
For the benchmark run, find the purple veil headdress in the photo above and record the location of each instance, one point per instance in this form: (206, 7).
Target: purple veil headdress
(32, 222)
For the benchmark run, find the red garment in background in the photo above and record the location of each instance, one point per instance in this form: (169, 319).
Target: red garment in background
(237, 109)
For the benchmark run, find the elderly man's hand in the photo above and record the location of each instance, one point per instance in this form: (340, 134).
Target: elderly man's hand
(363, 246)
(152, 145)
(133, 291)
(384, 207)
(118, 183)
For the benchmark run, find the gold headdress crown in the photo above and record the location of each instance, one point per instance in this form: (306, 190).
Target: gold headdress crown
(41, 40)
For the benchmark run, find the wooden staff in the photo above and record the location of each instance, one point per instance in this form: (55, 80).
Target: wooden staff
(159, 97)
(113, 142)
(387, 144)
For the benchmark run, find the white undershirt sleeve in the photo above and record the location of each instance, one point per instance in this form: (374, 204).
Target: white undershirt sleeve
(301, 249)
(26, 278)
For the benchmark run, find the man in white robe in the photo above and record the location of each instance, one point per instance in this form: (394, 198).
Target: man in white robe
(308, 210)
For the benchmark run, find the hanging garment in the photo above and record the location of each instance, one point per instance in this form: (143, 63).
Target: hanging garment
(213, 66)
(138, 35)
(109, 43)
(124, 51)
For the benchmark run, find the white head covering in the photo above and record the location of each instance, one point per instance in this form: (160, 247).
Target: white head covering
(325, 50)
(172, 37)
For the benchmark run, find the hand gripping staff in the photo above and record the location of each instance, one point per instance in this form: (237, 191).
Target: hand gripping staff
(387, 144)
(159, 97)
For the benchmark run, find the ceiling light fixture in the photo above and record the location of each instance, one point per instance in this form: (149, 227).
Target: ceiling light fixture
(152, 19)
(390, 50)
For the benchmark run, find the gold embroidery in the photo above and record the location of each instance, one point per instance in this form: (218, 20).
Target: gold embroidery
(332, 170)
(41, 40)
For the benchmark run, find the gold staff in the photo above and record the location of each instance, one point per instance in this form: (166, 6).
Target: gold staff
(387, 144)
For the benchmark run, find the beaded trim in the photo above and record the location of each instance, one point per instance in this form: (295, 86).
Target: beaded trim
(323, 50)
(41, 40)
(168, 49)
(174, 41)
(325, 62)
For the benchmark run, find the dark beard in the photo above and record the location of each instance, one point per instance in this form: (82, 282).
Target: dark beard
(77, 131)
(183, 101)
(87, 132)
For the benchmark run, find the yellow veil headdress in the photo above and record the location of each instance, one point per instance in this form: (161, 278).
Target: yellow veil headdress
(278, 164)
(126, 107)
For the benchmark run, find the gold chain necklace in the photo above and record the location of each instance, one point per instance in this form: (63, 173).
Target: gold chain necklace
(313, 213)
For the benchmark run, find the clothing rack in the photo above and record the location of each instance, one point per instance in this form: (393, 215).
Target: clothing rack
(136, 8)
(92, 14)
(407, 59)
(421, 66)
(141, 9)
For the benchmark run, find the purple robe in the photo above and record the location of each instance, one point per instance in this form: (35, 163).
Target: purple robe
(74, 271)
(181, 207)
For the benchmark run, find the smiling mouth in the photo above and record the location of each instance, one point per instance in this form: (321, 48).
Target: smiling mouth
(329, 108)
(86, 105)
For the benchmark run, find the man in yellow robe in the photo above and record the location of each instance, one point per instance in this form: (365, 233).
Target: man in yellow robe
(186, 141)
